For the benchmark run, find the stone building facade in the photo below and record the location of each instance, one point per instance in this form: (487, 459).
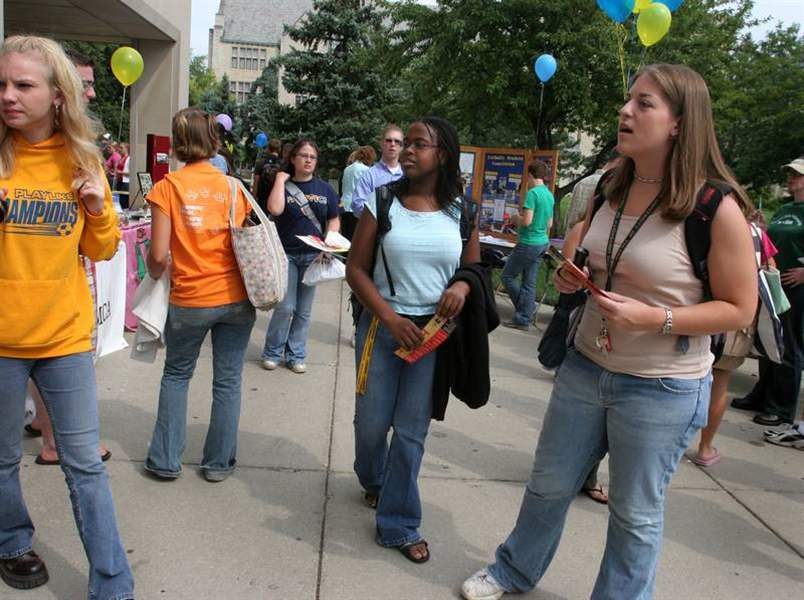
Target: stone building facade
(247, 34)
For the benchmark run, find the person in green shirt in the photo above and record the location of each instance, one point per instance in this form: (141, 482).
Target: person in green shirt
(519, 274)
(776, 392)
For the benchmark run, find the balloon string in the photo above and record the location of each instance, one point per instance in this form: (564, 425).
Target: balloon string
(642, 57)
(539, 119)
(119, 132)
(630, 45)
(622, 34)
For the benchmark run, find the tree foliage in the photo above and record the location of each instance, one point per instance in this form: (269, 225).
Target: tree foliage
(109, 91)
(334, 73)
(202, 80)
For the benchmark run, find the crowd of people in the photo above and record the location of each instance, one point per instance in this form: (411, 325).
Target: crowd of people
(635, 382)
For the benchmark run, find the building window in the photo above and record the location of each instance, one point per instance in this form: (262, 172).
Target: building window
(234, 57)
(263, 53)
(242, 63)
(262, 64)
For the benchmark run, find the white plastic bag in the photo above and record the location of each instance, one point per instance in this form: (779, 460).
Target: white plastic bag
(325, 267)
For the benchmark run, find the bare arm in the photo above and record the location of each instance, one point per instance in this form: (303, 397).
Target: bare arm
(334, 224)
(158, 255)
(276, 199)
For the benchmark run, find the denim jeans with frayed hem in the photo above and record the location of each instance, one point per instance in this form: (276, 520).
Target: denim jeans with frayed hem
(67, 385)
(398, 396)
(185, 331)
(523, 263)
(290, 323)
(645, 424)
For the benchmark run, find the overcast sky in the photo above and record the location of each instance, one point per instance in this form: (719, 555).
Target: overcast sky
(787, 11)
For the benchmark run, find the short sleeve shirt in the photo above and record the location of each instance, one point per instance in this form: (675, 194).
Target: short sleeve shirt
(786, 231)
(540, 201)
(197, 199)
(323, 200)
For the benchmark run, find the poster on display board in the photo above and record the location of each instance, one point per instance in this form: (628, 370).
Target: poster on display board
(468, 160)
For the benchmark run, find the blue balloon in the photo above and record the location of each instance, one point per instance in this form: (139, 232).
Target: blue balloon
(545, 67)
(261, 140)
(671, 4)
(620, 10)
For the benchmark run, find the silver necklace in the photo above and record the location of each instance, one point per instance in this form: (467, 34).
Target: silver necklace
(646, 179)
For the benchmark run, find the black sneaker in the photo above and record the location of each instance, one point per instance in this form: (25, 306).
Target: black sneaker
(512, 325)
(747, 402)
(769, 420)
(24, 572)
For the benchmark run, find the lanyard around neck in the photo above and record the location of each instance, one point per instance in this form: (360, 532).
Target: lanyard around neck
(611, 264)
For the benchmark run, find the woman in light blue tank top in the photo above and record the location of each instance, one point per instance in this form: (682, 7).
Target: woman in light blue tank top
(401, 290)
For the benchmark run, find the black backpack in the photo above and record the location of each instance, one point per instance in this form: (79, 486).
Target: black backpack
(384, 199)
(267, 177)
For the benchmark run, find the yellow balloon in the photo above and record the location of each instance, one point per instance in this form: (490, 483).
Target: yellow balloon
(127, 65)
(641, 5)
(653, 23)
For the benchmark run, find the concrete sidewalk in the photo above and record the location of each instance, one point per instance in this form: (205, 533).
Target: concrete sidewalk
(289, 524)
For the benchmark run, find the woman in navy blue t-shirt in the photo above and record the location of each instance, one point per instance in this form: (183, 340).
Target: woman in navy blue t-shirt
(301, 204)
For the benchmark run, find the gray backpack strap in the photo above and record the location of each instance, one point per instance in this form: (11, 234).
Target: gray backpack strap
(304, 205)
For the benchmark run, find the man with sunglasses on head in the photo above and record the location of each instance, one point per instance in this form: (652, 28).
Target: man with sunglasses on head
(384, 171)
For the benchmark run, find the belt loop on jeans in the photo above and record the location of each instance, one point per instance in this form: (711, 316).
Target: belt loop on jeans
(365, 357)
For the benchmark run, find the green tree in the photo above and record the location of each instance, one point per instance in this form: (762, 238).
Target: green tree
(338, 82)
(202, 80)
(109, 91)
(472, 62)
(258, 113)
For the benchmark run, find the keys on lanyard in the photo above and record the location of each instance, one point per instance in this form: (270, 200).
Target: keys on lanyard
(603, 339)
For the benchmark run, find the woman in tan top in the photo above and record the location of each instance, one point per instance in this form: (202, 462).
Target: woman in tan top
(637, 383)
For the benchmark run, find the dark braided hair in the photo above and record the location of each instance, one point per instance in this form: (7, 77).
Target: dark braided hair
(449, 185)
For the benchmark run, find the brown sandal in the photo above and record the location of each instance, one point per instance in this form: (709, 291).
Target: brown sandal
(371, 500)
(407, 551)
(592, 493)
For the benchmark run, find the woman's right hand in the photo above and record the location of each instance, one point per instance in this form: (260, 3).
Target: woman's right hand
(405, 332)
(281, 177)
(566, 282)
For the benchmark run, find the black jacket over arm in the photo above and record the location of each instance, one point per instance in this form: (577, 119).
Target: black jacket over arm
(462, 362)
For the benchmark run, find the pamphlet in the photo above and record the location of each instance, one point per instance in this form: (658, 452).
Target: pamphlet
(436, 333)
(334, 242)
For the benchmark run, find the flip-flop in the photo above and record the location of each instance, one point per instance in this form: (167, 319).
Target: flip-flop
(591, 496)
(42, 461)
(707, 462)
(407, 552)
(33, 431)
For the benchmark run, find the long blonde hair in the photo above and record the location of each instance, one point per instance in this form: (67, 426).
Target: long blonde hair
(695, 156)
(77, 127)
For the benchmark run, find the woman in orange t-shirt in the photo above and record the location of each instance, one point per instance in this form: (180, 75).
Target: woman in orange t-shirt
(191, 224)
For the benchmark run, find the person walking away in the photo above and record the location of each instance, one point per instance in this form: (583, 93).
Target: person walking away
(636, 383)
(360, 161)
(301, 204)
(190, 209)
(519, 274)
(51, 167)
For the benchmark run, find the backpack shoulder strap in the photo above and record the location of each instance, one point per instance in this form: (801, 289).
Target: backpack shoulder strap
(698, 229)
(383, 201)
(468, 219)
(598, 199)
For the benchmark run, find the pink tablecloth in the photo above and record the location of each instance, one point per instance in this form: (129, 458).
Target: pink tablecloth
(137, 237)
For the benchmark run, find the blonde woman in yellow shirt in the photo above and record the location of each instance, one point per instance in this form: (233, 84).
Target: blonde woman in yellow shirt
(55, 205)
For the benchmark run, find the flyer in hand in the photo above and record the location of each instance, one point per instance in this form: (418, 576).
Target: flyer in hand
(334, 242)
(436, 333)
(565, 263)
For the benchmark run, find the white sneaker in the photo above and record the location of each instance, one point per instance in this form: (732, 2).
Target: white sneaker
(774, 431)
(791, 438)
(298, 368)
(269, 365)
(482, 586)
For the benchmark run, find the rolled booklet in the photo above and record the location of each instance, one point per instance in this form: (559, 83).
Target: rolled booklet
(436, 333)
(565, 263)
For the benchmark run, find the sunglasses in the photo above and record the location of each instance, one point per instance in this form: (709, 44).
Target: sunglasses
(394, 141)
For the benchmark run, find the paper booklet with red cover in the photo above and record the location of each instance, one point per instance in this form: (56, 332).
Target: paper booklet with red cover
(436, 333)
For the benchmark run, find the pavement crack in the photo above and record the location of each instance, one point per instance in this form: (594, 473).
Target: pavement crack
(325, 507)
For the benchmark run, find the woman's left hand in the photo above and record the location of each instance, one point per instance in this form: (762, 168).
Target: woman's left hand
(793, 277)
(91, 190)
(452, 300)
(630, 314)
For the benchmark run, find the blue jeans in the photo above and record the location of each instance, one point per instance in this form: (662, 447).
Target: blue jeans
(523, 262)
(67, 384)
(287, 331)
(398, 395)
(185, 331)
(645, 424)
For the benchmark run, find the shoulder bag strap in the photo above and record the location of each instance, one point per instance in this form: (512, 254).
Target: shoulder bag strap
(304, 205)
(234, 185)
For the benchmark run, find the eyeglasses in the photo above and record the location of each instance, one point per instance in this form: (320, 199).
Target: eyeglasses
(311, 157)
(418, 145)
(87, 84)
(393, 141)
